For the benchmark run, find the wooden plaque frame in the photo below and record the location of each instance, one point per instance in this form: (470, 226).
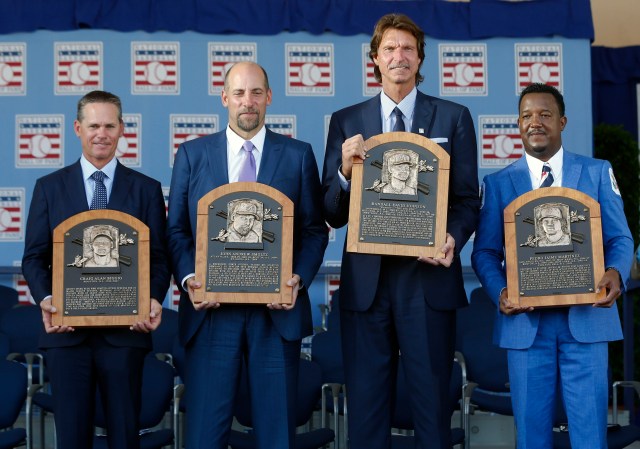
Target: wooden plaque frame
(64, 270)
(437, 156)
(209, 231)
(514, 241)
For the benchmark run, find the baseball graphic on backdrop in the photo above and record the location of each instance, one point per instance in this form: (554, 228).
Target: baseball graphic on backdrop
(310, 74)
(156, 73)
(40, 146)
(463, 74)
(6, 74)
(503, 146)
(539, 73)
(79, 73)
(5, 219)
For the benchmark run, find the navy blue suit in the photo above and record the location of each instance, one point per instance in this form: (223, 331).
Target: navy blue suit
(57, 197)
(250, 332)
(397, 303)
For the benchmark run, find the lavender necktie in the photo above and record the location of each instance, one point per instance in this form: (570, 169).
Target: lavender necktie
(248, 168)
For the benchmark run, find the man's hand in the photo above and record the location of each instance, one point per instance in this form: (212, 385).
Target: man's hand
(155, 318)
(295, 283)
(192, 285)
(509, 308)
(351, 148)
(611, 281)
(47, 311)
(447, 249)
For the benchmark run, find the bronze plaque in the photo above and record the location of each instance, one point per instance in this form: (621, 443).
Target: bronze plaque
(554, 252)
(101, 270)
(399, 197)
(244, 245)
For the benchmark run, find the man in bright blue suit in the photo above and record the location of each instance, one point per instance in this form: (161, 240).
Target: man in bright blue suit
(401, 304)
(218, 337)
(570, 342)
(79, 359)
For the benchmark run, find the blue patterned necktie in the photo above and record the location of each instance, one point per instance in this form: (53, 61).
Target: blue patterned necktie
(248, 168)
(547, 176)
(399, 124)
(99, 200)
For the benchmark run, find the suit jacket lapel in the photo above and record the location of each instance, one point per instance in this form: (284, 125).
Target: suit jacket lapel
(271, 156)
(371, 118)
(73, 185)
(422, 116)
(120, 188)
(520, 176)
(571, 170)
(216, 157)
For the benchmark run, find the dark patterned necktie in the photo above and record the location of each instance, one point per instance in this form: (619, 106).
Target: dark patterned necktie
(399, 124)
(547, 176)
(99, 200)
(248, 168)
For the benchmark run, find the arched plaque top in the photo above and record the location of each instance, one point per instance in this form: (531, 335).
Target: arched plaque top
(101, 214)
(405, 137)
(218, 192)
(564, 192)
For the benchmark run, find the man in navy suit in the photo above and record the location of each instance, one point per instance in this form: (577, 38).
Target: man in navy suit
(570, 342)
(219, 337)
(401, 304)
(79, 359)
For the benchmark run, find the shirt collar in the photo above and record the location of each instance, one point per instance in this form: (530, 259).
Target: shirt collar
(406, 105)
(535, 164)
(88, 168)
(235, 142)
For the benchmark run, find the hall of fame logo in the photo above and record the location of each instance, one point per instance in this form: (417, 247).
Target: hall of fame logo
(463, 69)
(129, 145)
(189, 127)
(156, 68)
(13, 68)
(327, 122)
(11, 214)
(222, 55)
(39, 140)
(165, 194)
(538, 63)
(309, 69)
(370, 86)
(282, 124)
(173, 295)
(21, 286)
(332, 281)
(78, 67)
(500, 140)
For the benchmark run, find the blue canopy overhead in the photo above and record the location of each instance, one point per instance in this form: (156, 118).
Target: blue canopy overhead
(478, 19)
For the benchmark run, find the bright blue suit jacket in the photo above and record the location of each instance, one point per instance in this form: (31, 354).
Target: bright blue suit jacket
(435, 119)
(287, 165)
(591, 176)
(61, 195)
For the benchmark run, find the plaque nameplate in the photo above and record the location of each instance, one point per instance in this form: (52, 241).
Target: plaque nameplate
(399, 197)
(100, 270)
(554, 251)
(244, 245)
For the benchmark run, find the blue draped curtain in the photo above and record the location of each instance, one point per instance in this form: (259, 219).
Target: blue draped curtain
(478, 19)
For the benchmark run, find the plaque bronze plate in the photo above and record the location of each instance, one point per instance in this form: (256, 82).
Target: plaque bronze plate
(399, 197)
(554, 252)
(101, 270)
(244, 245)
